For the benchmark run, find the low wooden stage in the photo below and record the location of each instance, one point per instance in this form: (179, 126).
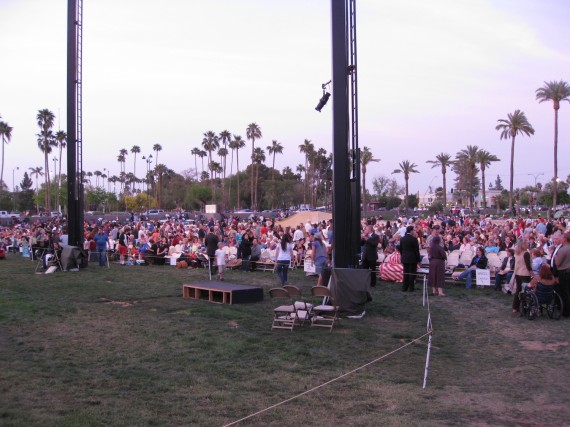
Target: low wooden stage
(222, 292)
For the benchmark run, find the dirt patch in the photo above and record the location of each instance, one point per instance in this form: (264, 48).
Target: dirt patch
(120, 303)
(541, 346)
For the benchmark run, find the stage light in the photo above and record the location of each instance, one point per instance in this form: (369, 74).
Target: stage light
(323, 101)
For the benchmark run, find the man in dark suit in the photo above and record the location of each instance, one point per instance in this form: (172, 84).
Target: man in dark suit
(410, 250)
(370, 242)
(211, 242)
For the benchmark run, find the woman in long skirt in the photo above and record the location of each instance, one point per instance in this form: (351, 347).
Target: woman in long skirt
(437, 257)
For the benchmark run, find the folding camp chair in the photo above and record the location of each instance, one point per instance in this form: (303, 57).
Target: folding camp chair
(303, 309)
(283, 315)
(324, 314)
(53, 260)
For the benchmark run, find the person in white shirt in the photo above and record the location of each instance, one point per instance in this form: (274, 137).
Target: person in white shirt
(220, 256)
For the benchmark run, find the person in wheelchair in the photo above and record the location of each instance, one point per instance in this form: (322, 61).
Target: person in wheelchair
(543, 284)
(541, 294)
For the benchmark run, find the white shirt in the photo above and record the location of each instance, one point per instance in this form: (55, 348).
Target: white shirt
(220, 255)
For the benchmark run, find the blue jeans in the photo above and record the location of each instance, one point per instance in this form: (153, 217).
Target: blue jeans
(102, 256)
(468, 276)
(245, 263)
(499, 279)
(281, 271)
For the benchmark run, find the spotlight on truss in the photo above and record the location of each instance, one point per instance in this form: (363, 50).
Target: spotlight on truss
(325, 98)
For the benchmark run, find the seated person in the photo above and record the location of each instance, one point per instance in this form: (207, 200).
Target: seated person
(507, 269)
(543, 284)
(392, 269)
(536, 260)
(480, 261)
(255, 254)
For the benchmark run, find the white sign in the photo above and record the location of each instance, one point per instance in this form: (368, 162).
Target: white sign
(483, 277)
(309, 267)
(210, 209)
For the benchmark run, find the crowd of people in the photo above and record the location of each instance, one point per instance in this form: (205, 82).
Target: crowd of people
(529, 244)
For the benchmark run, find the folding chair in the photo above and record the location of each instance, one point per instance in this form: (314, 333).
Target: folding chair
(283, 315)
(52, 261)
(324, 314)
(303, 309)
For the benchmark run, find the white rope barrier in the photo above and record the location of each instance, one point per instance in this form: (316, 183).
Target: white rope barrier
(327, 383)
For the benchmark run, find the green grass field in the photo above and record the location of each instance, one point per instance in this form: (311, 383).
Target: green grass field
(122, 347)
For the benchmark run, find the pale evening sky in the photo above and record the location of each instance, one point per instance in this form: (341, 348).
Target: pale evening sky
(433, 76)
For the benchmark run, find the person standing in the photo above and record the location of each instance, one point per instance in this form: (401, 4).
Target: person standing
(410, 250)
(319, 256)
(523, 271)
(437, 257)
(370, 241)
(221, 261)
(211, 242)
(563, 268)
(101, 239)
(283, 256)
(245, 251)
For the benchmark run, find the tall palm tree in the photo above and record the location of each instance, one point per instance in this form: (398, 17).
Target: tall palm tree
(6, 136)
(225, 137)
(484, 158)
(306, 148)
(210, 142)
(555, 92)
(443, 160)
(61, 140)
(195, 152)
(45, 120)
(366, 157)
(156, 148)
(515, 124)
(135, 149)
(466, 162)
(37, 171)
(121, 160)
(202, 154)
(253, 132)
(273, 149)
(237, 144)
(406, 168)
(97, 175)
(223, 154)
(259, 157)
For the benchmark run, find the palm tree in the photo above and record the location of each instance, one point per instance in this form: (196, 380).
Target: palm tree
(259, 157)
(37, 171)
(45, 119)
(555, 92)
(195, 152)
(307, 148)
(273, 149)
(156, 148)
(223, 153)
(466, 162)
(237, 144)
(97, 175)
(253, 132)
(135, 149)
(202, 154)
(6, 136)
(443, 160)
(366, 157)
(406, 168)
(225, 137)
(61, 140)
(210, 142)
(484, 158)
(515, 124)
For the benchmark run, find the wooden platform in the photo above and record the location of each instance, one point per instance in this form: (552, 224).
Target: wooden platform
(222, 293)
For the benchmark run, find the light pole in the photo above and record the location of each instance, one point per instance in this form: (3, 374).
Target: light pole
(55, 179)
(14, 186)
(535, 175)
(148, 160)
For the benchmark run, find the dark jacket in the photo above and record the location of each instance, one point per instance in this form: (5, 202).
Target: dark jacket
(410, 249)
(481, 263)
(211, 242)
(512, 263)
(370, 251)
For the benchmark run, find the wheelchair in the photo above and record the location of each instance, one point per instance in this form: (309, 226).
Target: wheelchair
(536, 303)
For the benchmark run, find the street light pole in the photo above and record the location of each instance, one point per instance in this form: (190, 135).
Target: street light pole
(535, 175)
(14, 186)
(55, 180)
(148, 160)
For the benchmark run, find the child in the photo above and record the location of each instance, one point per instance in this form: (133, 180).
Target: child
(220, 255)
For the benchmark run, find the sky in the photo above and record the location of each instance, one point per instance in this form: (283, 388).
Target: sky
(433, 76)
